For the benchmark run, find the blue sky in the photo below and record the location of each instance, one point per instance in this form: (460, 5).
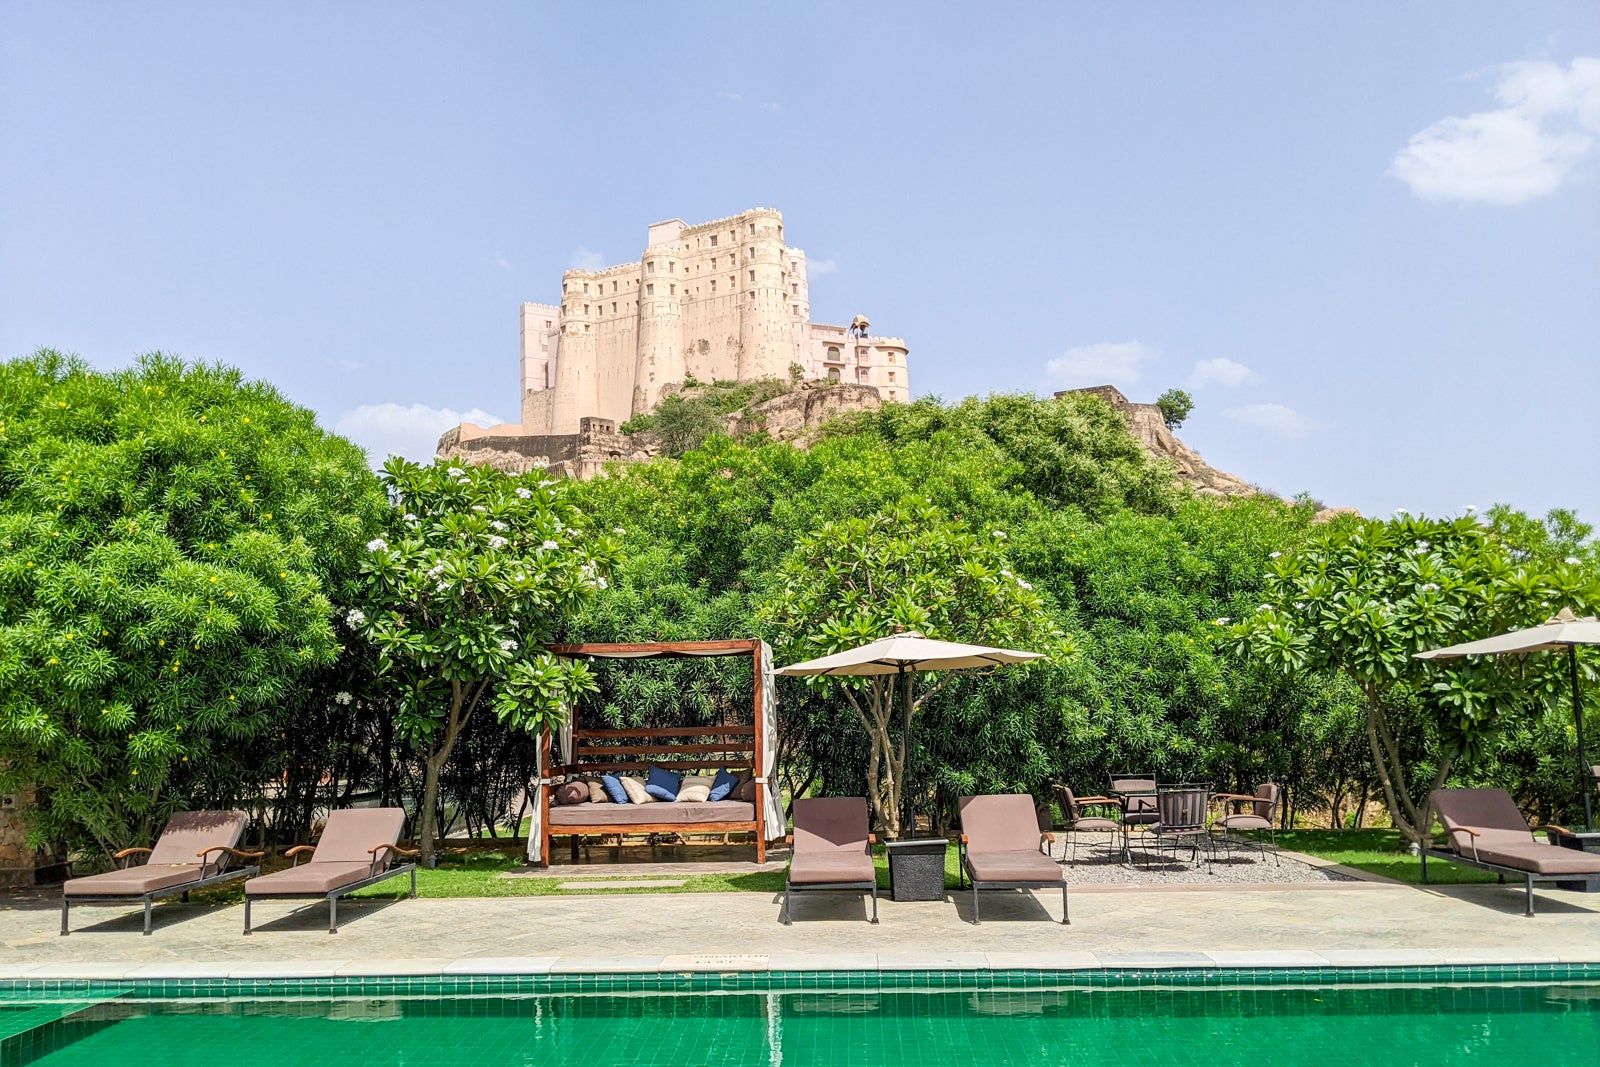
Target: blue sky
(1368, 239)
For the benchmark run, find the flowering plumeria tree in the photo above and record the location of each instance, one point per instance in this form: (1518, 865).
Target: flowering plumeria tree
(856, 580)
(475, 572)
(1362, 597)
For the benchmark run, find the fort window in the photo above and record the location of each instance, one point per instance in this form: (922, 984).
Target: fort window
(547, 324)
(586, 287)
(794, 288)
(672, 268)
(713, 240)
(713, 285)
(833, 353)
(650, 267)
(833, 374)
(795, 308)
(650, 290)
(613, 287)
(891, 376)
(752, 275)
(613, 307)
(713, 262)
(752, 227)
(672, 290)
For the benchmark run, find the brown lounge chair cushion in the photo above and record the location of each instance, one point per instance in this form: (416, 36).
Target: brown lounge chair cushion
(1540, 859)
(308, 878)
(344, 854)
(133, 882)
(830, 841)
(1028, 866)
(173, 860)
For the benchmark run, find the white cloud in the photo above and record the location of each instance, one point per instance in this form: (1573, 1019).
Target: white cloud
(584, 259)
(1283, 421)
(1221, 371)
(395, 429)
(772, 106)
(732, 98)
(501, 261)
(1524, 149)
(1106, 363)
(822, 266)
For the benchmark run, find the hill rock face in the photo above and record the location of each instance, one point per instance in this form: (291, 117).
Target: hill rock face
(795, 416)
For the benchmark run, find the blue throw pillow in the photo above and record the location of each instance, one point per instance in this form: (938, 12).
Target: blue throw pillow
(663, 784)
(725, 783)
(613, 788)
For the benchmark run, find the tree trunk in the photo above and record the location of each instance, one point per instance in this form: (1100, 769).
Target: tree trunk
(461, 709)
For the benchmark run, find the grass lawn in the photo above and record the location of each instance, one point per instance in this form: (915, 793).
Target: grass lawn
(478, 874)
(1378, 852)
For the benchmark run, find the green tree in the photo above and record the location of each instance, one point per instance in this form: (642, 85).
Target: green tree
(1175, 405)
(910, 568)
(171, 535)
(1362, 597)
(475, 572)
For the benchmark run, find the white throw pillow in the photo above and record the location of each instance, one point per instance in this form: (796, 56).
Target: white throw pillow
(694, 794)
(634, 787)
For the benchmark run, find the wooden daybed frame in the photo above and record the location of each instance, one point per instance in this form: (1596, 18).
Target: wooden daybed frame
(736, 747)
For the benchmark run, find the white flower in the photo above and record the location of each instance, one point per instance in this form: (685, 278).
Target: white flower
(410, 517)
(498, 525)
(1423, 546)
(479, 508)
(497, 542)
(549, 546)
(1428, 587)
(1402, 511)
(377, 544)
(1274, 555)
(436, 570)
(524, 492)
(1007, 574)
(1572, 561)
(442, 587)
(354, 617)
(998, 535)
(601, 582)
(1222, 621)
(547, 483)
(1024, 585)
(508, 645)
(1264, 607)
(539, 464)
(341, 697)
(1469, 508)
(619, 531)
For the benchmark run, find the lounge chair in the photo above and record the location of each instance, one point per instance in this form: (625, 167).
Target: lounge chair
(1485, 830)
(193, 851)
(832, 850)
(1002, 847)
(355, 850)
(1077, 822)
(1261, 818)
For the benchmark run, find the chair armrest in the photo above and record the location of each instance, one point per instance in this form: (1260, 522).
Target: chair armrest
(963, 839)
(396, 849)
(296, 851)
(872, 839)
(234, 852)
(1098, 800)
(1232, 796)
(788, 840)
(125, 853)
(1559, 831)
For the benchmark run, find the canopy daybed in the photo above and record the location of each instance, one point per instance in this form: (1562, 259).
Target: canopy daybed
(575, 751)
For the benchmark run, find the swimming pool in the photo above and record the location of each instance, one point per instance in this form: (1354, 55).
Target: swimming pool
(1505, 1016)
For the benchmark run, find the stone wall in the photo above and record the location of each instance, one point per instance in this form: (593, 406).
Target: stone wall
(19, 864)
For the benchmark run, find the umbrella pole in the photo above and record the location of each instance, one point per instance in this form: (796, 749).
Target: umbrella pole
(909, 830)
(1585, 780)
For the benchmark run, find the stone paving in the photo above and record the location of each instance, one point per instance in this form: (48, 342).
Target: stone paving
(1358, 923)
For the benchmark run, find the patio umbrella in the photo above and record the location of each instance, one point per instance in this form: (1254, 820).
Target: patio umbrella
(903, 655)
(1564, 630)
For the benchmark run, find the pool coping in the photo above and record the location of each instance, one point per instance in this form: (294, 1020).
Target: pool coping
(787, 962)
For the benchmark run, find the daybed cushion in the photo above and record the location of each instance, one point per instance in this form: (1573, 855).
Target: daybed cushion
(318, 876)
(613, 787)
(726, 782)
(696, 789)
(572, 793)
(1020, 866)
(747, 791)
(133, 882)
(597, 791)
(635, 790)
(655, 814)
(663, 784)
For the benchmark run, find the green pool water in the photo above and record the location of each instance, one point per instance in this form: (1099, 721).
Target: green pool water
(1506, 1025)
